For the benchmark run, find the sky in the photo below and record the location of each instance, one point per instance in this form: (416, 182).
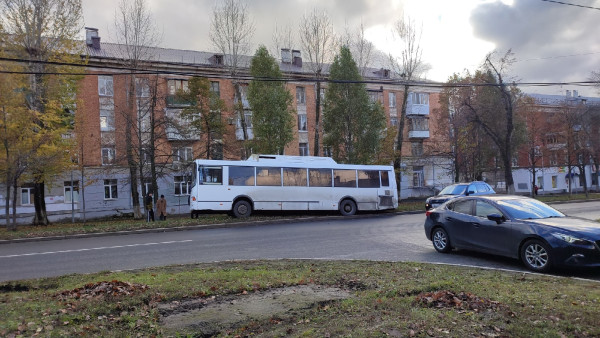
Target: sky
(551, 42)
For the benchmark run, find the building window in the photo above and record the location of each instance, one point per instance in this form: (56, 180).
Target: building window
(110, 189)
(417, 148)
(322, 95)
(302, 122)
(105, 85)
(71, 189)
(300, 95)
(420, 98)
(182, 185)
(393, 121)
(419, 124)
(392, 99)
(215, 88)
(303, 149)
(244, 94)
(183, 154)
(554, 158)
(106, 121)
(554, 181)
(327, 151)
(375, 96)
(418, 176)
(26, 196)
(142, 87)
(108, 156)
(147, 186)
(247, 119)
(176, 85)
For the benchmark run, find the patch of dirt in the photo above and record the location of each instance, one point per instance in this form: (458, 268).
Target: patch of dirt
(113, 288)
(462, 301)
(207, 317)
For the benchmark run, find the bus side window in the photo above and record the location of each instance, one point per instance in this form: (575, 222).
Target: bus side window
(241, 176)
(294, 177)
(319, 177)
(268, 176)
(385, 179)
(345, 178)
(368, 178)
(211, 175)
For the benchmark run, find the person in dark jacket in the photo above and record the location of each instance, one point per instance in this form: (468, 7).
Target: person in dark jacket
(149, 207)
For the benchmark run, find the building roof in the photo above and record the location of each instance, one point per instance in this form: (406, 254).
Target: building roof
(546, 99)
(183, 57)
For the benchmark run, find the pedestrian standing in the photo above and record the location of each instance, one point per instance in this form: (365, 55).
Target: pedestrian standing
(161, 208)
(149, 207)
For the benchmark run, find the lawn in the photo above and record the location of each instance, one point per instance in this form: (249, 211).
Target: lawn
(377, 299)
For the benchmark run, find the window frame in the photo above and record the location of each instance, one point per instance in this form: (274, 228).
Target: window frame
(112, 193)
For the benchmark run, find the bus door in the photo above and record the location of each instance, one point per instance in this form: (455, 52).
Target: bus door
(386, 190)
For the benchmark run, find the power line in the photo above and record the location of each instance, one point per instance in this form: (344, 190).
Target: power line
(569, 4)
(122, 70)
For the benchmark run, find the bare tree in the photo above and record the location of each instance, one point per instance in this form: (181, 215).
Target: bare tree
(283, 38)
(362, 49)
(136, 32)
(231, 30)
(317, 39)
(409, 64)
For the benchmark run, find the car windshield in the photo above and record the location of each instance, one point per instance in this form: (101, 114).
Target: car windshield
(457, 189)
(529, 209)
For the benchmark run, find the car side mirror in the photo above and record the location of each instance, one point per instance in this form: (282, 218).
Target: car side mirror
(496, 218)
(470, 192)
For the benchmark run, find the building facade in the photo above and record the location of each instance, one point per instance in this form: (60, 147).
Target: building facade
(114, 127)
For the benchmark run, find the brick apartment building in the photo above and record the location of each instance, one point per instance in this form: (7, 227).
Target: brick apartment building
(557, 146)
(102, 113)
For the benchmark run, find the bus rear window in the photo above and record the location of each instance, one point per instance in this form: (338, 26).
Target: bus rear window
(344, 178)
(210, 175)
(385, 179)
(319, 177)
(368, 178)
(241, 176)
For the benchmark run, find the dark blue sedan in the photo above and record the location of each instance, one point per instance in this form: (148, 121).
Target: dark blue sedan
(517, 227)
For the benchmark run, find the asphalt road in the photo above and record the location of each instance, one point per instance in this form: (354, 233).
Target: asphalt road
(380, 237)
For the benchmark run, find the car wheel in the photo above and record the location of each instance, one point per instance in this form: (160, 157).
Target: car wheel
(440, 240)
(242, 209)
(347, 208)
(536, 255)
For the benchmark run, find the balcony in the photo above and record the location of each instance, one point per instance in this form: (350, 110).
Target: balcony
(417, 109)
(174, 101)
(418, 134)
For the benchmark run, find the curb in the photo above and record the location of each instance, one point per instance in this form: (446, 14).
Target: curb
(208, 226)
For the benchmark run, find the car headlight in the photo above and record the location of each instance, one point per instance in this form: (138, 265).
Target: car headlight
(572, 240)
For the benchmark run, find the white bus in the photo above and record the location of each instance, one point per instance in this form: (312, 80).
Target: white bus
(278, 182)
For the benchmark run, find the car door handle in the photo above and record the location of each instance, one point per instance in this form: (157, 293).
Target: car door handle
(475, 224)
(451, 219)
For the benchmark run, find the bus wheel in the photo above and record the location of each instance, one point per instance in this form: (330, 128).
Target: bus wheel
(242, 209)
(347, 208)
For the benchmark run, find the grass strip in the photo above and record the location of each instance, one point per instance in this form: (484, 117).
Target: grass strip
(397, 299)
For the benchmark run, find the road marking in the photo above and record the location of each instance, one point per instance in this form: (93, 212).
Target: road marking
(91, 249)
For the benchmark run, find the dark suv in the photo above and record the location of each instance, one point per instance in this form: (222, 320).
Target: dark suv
(457, 190)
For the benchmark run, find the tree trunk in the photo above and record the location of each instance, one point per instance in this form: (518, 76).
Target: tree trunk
(7, 202)
(317, 147)
(240, 110)
(401, 123)
(41, 216)
(14, 207)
